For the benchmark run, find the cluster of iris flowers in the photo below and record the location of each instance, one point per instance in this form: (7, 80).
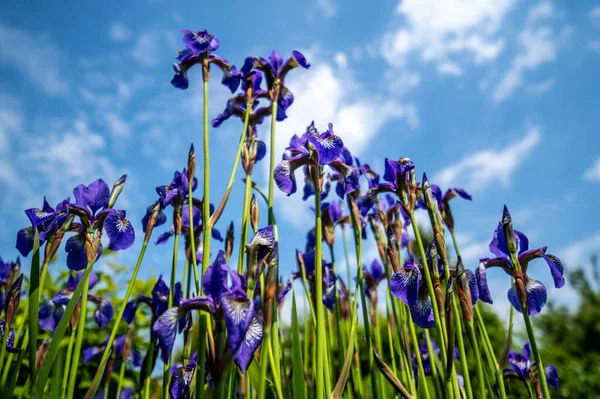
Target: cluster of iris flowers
(225, 320)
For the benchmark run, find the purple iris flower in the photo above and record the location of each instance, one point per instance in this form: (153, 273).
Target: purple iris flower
(521, 366)
(199, 46)
(51, 312)
(535, 290)
(226, 298)
(158, 302)
(181, 380)
(407, 284)
(176, 193)
(315, 149)
(92, 207)
(122, 351)
(275, 70)
(46, 220)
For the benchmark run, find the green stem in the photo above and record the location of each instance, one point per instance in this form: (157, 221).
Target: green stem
(438, 321)
(177, 217)
(463, 354)
(34, 304)
(121, 378)
(80, 333)
(206, 236)
(108, 349)
(245, 220)
(433, 364)
(65, 379)
(320, 380)
(536, 354)
(475, 343)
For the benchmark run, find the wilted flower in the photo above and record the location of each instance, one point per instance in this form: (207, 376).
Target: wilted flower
(535, 291)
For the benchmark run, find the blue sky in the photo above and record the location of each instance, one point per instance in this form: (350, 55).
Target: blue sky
(496, 96)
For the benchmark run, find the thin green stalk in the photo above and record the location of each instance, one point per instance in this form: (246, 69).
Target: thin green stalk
(536, 354)
(475, 344)
(8, 392)
(148, 366)
(434, 366)
(463, 355)
(527, 320)
(7, 365)
(321, 339)
(206, 236)
(65, 379)
(34, 305)
(245, 220)
(167, 366)
(413, 337)
(107, 351)
(486, 339)
(80, 333)
(438, 321)
(121, 378)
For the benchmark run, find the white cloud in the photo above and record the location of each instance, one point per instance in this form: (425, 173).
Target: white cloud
(489, 166)
(145, 50)
(541, 87)
(11, 123)
(580, 251)
(593, 173)
(471, 250)
(327, 7)
(449, 68)
(594, 14)
(117, 127)
(538, 46)
(118, 32)
(327, 93)
(438, 30)
(35, 57)
(594, 45)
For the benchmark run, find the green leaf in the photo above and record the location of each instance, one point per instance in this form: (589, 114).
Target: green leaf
(44, 372)
(341, 382)
(298, 368)
(253, 373)
(34, 305)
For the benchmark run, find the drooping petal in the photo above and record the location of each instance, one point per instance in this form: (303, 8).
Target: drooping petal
(237, 313)
(25, 238)
(498, 245)
(262, 242)
(556, 268)
(536, 296)
(348, 180)
(165, 329)
(405, 284)
(180, 79)
(252, 340)
(161, 218)
(49, 315)
(285, 178)
(103, 313)
(522, 241)
(96, 195)
(219, 279)
(551, 376)
(181, 381)
(164, 237)
(482, 285)
(473, 286)
(130, 310)
(119, 230)
(526, 351)
(422, 311)
(76, 252)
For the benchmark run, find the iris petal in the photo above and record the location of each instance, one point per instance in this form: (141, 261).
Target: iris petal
(551, 376)
(536, 296)
(119, 230)
(104, 313)
(25, 240)
(285, 178)
(181, 380)
(482, 285)
(556, 268)
(422, 312)
(76, 252)
(49, 315)
(250, 343)
(96, 195)
(165, 329)
(405, 284)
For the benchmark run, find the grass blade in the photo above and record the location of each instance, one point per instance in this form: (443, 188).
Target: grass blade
(44, 372)
(34, 305)
(339, 386)
(389, 375)
(299, 381)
